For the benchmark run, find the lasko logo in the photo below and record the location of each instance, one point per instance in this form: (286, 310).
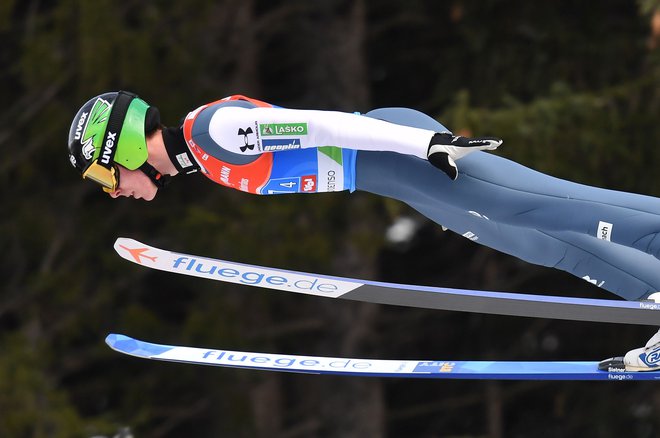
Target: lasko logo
(94, 128)
(281, 144)
(272, 129)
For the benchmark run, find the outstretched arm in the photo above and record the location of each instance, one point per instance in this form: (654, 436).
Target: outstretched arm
(256, 130)
(272, 129)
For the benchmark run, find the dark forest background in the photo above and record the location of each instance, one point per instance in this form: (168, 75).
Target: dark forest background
(572, 87)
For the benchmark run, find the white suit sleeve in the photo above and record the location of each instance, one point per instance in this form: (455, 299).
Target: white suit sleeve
(257, 130)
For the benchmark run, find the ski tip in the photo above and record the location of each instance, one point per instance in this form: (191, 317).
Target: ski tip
(134, 251)
(113, 339)
(125, 241)
(124, 344)
(127, 345)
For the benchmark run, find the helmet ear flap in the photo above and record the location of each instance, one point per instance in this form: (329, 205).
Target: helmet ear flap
(151, 120)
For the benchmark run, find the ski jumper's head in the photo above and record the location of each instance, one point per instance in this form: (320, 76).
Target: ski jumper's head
(110, 130)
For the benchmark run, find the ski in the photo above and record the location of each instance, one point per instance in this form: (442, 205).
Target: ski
(441, 298)
(429, 369)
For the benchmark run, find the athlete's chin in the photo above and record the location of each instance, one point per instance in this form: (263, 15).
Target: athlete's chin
(149, 197)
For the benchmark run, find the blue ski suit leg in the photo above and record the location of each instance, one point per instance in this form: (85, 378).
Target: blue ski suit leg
(528, 198)
(518, 211)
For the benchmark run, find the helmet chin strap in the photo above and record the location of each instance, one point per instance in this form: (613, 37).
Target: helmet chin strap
(155, 176)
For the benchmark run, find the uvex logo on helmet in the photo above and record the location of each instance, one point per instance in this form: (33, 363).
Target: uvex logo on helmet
(110, 139)
(95, 127)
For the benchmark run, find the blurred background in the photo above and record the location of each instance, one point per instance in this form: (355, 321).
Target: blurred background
(572, 87)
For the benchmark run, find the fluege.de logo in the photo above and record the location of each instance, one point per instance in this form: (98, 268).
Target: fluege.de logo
(262, 277)
(231, 272)
(252, 277)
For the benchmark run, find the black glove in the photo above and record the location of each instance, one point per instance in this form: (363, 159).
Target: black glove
(446, 148)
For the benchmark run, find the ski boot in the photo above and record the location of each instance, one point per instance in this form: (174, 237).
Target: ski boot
(646, 358)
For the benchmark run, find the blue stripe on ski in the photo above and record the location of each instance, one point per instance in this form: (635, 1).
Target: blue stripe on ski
(516, 296)
(503, 303)
(433, 369)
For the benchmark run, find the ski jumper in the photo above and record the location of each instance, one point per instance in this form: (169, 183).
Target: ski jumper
(606, 237)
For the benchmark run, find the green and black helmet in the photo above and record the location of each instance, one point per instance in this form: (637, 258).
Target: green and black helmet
(111, 129)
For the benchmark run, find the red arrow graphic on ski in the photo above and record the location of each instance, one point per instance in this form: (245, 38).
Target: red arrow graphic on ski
(138, 253)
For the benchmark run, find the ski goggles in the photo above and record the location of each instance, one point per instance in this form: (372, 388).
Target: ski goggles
(108, 179)
(105, 172)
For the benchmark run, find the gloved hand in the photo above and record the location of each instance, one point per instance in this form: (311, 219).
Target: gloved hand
(446, 148)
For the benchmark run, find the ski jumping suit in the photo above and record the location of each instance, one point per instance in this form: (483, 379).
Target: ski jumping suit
(606, 237)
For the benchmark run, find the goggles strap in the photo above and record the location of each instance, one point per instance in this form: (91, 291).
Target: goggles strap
(113, 128)
(155, 176)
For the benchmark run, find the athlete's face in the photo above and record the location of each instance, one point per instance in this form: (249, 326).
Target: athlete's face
(134, 183)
